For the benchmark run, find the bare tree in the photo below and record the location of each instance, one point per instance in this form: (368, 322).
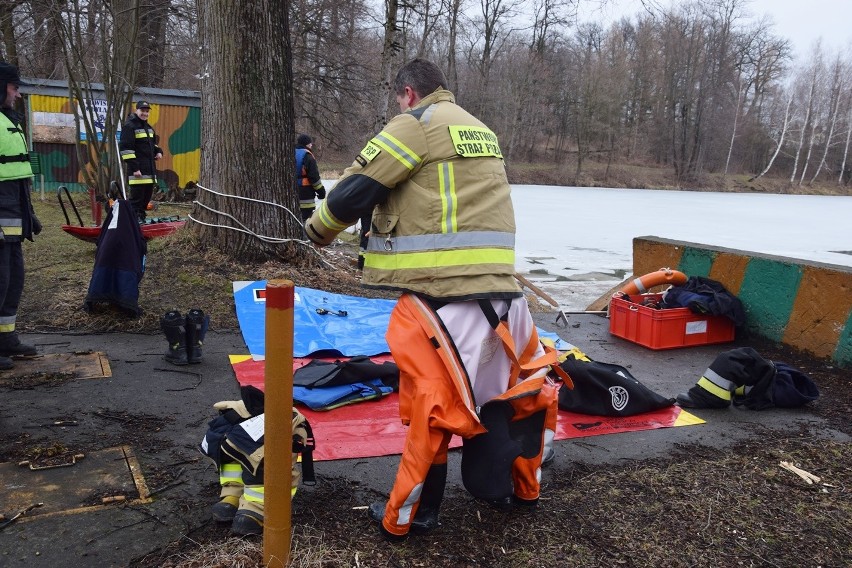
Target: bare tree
(248, 161)
(837, 87)
(7, 28)
(112, 63)
(390, 51)
(784, 125)
(153, 20)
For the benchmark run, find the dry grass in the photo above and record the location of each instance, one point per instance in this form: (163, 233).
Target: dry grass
(180, 274)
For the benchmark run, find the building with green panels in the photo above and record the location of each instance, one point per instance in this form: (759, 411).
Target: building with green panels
(175, 116)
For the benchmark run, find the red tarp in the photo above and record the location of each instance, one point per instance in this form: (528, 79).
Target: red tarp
(373, 428)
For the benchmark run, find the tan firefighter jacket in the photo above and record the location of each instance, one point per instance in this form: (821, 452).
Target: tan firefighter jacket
(443, 225)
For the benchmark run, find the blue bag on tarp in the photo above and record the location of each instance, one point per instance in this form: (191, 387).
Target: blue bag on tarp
(318, 374)
(328, 398)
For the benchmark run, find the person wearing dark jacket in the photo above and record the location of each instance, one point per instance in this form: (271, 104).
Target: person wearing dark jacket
(17, 219)
(139, 151)
(308, 182)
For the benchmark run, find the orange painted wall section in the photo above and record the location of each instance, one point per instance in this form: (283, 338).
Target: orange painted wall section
(818, 316)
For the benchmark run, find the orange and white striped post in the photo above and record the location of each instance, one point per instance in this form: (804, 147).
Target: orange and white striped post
(278, 423)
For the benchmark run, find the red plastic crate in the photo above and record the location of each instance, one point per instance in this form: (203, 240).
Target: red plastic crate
(665, 329)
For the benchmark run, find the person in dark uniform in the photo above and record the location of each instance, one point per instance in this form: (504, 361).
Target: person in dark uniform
(308, 182)
(17, 219)
(139, 151)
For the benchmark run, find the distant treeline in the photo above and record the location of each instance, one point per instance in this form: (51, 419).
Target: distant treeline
(698, 88)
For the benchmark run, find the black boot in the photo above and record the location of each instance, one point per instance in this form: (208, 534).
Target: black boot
(426, 518)
(173, 325)
(6, 364)
(196, 328)
(11, 346)
(376, 513)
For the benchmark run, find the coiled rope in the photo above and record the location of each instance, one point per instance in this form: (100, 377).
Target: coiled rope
(242, 228)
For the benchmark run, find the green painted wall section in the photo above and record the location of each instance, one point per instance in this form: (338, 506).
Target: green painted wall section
(768, 292)
(187, 138)
(843, 353)
(696, 262)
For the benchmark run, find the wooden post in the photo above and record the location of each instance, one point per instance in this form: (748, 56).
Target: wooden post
(278, 423)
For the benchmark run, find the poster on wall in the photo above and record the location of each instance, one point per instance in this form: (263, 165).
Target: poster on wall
(96, 108)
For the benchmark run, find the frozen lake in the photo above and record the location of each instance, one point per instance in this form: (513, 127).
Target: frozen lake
(577, 242)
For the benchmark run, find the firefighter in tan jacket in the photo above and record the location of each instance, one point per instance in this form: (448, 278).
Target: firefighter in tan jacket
(443, 232)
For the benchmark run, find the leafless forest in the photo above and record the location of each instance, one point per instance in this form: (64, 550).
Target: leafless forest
(699, 89)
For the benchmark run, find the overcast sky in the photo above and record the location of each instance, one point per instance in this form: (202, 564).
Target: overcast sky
(800, 21)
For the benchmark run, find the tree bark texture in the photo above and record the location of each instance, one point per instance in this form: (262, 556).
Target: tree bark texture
(247, 130)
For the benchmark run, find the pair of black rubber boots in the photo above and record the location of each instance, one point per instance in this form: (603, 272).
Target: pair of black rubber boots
(185, 335)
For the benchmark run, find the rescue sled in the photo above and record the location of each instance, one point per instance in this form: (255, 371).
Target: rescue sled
(152, 228)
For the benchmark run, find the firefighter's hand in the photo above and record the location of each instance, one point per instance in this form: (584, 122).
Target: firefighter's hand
(321, 192)
(158, 156)
(36, 225)
(237, 406)
(137, 173)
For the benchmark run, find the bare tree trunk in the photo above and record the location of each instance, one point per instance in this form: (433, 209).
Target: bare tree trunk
(7, 28)
(837, 87)
(802, 135)
(48, 60)
(780, 140)
(152, 39)
(846, 147)
(247, 158)
(814, 127)
(113, 66)
(736, 120)
(452, 70)
(390, 50)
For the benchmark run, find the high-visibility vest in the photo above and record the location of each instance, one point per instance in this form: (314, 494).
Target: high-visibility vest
(14, 158)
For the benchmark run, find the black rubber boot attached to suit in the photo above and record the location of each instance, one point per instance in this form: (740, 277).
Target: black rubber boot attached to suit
(11, 346)
(196, 328)
(376, 513)
(173, 325)
(6, 363)
(426, 517)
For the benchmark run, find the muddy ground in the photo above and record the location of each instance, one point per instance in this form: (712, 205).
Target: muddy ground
(700, 506)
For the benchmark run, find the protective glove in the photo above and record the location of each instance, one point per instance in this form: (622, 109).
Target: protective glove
(321, 192)
(36, 225)
(237, 406)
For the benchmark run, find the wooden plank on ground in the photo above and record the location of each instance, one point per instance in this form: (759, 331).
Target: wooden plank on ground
(78, 365)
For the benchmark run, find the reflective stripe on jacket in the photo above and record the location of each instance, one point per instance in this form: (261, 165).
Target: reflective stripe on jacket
(138, 148)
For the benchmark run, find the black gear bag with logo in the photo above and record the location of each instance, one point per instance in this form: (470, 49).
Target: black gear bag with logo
(603, 389)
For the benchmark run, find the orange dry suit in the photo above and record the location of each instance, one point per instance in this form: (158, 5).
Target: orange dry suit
(443, 229)
(497, 366)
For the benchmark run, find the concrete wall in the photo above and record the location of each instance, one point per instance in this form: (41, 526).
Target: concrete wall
(805, 304)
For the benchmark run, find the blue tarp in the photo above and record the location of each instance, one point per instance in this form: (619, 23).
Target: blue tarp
(360, 332)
